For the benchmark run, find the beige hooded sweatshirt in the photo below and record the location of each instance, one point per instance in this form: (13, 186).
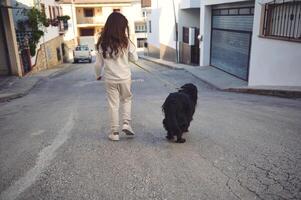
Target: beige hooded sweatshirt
(116, 69)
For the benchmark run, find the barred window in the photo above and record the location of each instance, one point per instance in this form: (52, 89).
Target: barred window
(282, 20)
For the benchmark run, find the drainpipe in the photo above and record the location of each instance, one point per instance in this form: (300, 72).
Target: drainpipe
(176, 31)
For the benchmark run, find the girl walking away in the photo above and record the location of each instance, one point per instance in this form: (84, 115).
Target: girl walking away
(115, 50)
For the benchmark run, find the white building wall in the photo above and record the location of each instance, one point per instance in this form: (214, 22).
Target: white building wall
(51, 31)
(153, 36)
(205, 34)
(133, 13)
(190, 4)
(71, 33)
(188, 18)
(162, 19)
(273, 62)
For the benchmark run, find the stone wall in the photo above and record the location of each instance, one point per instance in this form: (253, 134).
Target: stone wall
(49, 55)
(168, 53)
(153, 51)
(69, 46)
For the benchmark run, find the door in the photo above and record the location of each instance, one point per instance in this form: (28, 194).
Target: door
(195, 49)
(26, 61)
(231, 36)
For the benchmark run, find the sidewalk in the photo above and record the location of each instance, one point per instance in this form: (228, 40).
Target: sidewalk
(12, 87)
(226, 82)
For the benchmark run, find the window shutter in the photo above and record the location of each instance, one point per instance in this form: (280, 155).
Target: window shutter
(50, 12)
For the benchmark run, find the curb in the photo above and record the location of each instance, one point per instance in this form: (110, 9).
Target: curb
(16, 95)
(267, 92)
(207, 82)
(294, 94)
(162, 64)
(23, 92)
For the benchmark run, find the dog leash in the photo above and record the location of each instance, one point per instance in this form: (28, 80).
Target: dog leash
(167, 83)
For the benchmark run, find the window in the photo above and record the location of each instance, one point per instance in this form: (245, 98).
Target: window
(54, 12)
(150, 26)
(140, 42)
(50, 12)
(282, 20)
(87, 32)
(233, 11)
(88, 12)
(140, 28)
(58, 11)
(43, 8)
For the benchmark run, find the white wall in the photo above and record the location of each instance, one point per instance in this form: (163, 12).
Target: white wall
(205, 33)
(188, 18)
(153, 36)
(163, 23)
(133, 13)
(71, 33)
(190, 4)
(273, 62)
(51, 31)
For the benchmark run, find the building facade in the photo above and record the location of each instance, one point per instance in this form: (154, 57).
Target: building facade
(257, 41)
(189, 29)
(49, 50)
(88, 17)
(9, 58)
(173, 29)
(162, 30)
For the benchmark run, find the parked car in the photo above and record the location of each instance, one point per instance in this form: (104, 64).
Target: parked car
(81, 53)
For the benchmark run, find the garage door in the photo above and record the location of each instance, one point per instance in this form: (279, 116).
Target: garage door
(231, 40)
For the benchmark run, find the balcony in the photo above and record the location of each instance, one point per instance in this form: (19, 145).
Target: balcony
(88, 16)
(185, 4)
(91, 20)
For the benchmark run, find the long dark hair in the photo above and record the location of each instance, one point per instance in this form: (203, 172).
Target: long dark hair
(114, 37)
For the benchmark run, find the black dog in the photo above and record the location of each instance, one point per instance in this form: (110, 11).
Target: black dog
(178, 109)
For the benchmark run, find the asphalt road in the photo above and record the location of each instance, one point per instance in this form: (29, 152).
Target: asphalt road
(54, 145)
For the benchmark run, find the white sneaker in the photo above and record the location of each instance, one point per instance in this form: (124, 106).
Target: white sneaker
(114, 136)
(127, 129)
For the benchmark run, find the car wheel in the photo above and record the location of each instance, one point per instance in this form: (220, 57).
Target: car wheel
(90, 60)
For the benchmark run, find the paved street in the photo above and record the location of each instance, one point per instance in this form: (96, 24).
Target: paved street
(54, 145)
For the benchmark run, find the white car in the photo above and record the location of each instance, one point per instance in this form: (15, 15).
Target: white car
(81, 53)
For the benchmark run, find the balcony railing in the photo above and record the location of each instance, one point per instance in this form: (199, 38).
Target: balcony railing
(91, 20)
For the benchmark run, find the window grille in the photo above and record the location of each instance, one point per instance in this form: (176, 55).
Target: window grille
(282, 20)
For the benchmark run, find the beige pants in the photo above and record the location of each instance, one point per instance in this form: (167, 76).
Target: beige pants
(119, 93)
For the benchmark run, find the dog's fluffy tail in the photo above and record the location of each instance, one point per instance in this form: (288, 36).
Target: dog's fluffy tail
(170, 122)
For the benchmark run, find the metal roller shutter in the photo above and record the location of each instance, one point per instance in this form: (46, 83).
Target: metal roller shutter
(231, 40)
